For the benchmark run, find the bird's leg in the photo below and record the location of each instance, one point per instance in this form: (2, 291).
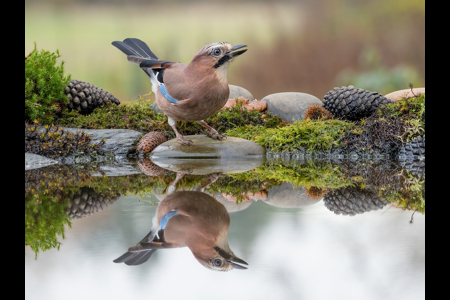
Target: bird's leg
(180, 138)
(173, 185)
(211, 132)
(210, 179)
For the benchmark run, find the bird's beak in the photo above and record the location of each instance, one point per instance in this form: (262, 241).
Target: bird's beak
(235, 260)
(234, 53)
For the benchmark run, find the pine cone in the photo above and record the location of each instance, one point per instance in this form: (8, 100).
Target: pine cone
(85, 97)
(352, 200)
(316, 112)
(353, 104)
(149, 142)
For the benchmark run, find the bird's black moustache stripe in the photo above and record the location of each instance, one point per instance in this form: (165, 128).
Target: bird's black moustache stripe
(222, 60)
(222, 252)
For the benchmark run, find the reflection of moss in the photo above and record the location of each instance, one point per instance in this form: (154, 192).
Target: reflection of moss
(307, 174)
(410, 196)
(238, 185)
(44, 221)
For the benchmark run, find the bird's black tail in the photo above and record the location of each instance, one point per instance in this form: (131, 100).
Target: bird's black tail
(137, 51)
(135, 47)
(140, 253)
(135, 255)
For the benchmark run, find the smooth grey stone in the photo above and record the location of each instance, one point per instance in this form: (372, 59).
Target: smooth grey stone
(237, 91)
(34, 161)
(288, 196)
(290, 105)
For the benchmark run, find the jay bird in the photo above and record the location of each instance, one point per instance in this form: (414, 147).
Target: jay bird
(186, 92)
(193, 219)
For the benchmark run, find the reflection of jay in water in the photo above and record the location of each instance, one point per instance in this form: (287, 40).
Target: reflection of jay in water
(193, 219)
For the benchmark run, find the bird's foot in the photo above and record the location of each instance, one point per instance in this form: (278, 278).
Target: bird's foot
(212, 133)
(181, 140)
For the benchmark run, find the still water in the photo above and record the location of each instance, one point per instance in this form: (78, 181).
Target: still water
(288, 238)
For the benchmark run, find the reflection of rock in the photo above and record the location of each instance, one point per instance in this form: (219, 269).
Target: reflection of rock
(206, 155)
(208, 166)
(232, 206)
(33, 161)
(288, 196)
(86, 202)
(261, 195)
(353, 200)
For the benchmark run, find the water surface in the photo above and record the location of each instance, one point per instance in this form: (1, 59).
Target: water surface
(295, 247)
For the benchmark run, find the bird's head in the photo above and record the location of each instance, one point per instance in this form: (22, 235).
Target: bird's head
(218, 55)
(218, 259)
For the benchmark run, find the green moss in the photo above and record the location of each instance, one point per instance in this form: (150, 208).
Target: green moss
(307, 134)
(410, 111)
(138, 115)
(44, 86)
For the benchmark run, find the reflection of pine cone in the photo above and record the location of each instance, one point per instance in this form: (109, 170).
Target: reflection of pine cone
(352, 200)
(149, 168)
(413, 150)
(85, 97)
(86, 202)
(353, 104)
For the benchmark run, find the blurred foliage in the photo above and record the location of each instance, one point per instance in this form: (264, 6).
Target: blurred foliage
(44, 86)
(304, 44)
(374, 76)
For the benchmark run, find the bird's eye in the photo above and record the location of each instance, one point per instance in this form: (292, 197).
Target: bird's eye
(217, 262)
(217, 52)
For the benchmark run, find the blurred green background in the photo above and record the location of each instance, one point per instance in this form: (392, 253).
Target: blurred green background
(294, 46)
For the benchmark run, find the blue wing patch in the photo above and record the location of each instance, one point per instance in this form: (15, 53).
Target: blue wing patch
(163, 91)
(165, 219)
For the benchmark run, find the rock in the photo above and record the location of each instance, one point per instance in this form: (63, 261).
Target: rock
(205, 147)
(287, 196)
(34, 161)
(120, 142)
(206, 156)
(406, 93)
(247, 104)
(237, 91)
(290, 105)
